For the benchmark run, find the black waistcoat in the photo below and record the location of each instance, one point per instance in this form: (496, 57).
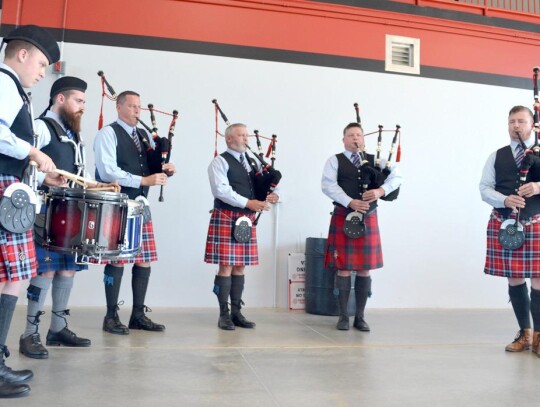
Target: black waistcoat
(62, 153)
(349, 178)
(507, 182)
(22, 128)
(130, 160)
(240, 180)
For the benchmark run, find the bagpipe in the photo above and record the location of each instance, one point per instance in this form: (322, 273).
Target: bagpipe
(371, 177)
(266, 178)
(512, 232)
(536, 111)
(378, 173)
(160, 152)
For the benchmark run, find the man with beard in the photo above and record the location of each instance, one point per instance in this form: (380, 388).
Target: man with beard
(58, 131)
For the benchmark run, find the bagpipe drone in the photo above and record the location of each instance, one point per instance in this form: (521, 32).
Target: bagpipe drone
(512, 232)
(160, 152)
(372, 177)
(266, 178)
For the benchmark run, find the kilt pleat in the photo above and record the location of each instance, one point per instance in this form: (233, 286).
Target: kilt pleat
(17, 250)
(344, 253)
(521, 263)
(222, 248)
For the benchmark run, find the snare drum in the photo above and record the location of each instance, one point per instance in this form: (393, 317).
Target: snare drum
(87, 223)
(133, 234)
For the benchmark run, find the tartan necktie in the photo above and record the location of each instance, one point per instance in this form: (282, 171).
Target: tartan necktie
(519, 155)
(243, 162)
(356, 160)
(136, 140)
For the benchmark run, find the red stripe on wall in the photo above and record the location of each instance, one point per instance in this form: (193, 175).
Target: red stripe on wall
(293, 25)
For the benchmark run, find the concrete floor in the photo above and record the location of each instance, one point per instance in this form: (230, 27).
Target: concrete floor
(410, 358)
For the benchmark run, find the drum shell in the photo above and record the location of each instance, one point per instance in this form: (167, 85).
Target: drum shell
(133, 231)
(88, 223)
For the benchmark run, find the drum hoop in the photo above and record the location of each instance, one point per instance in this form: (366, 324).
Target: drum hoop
(86, 195)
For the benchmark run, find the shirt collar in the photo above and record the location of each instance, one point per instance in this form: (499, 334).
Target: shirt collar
(349, 154)
(8, 68)
(55, 116)
(234, 153)
(528, 143)
(126, 126)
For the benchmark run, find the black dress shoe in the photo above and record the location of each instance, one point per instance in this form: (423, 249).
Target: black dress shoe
(360, 324)
(14, 376)
(225, 322)
(67, 338)
(32, 347)
(11, 391)
(343, 323)
(239, 320)
(114, 326)
(145, 323)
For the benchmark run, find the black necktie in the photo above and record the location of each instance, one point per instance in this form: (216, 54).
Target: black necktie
(356, 160)
(243, 162)
(519, 155)
(136, 140)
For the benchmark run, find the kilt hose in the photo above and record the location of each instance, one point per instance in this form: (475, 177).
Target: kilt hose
(222, 248)
(344, 253)
(17, 250)
(521, 263)
(148, 251)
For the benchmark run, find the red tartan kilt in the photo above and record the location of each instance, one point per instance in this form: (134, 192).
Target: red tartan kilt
(222, 248)
(148, 253)
(344, 253)
(521, 263)
(17, 250)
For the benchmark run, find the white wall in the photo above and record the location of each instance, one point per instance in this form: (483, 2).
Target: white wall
(433, 235)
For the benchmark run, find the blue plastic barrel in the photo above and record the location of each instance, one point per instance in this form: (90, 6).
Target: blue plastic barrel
(320, 296)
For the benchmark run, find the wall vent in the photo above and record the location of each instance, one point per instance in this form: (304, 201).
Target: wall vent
(402, 54)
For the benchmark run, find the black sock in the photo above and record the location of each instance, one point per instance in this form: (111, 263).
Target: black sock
(222, 289)
(237, 287)
(139, 284)
(362, 291)
(519, 297)
(535, 308)
(112, 279)
(7, 307)
(343, 284)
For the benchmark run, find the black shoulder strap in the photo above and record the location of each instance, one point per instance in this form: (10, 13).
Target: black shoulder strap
(23, 94)
(53, 125)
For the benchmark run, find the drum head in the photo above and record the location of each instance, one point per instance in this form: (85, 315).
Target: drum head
(354, 226)
(242, 229)
(511, 235)
(85, 194)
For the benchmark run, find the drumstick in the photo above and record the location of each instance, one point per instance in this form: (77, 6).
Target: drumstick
(76, 178)
(109, 188)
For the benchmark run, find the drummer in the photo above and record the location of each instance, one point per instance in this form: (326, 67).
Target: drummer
(59, 137)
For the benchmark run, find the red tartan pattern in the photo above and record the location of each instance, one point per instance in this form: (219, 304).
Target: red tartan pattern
(148, 251)
(344, 253)
(521, 263)
(17, 250)
(222, 248)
